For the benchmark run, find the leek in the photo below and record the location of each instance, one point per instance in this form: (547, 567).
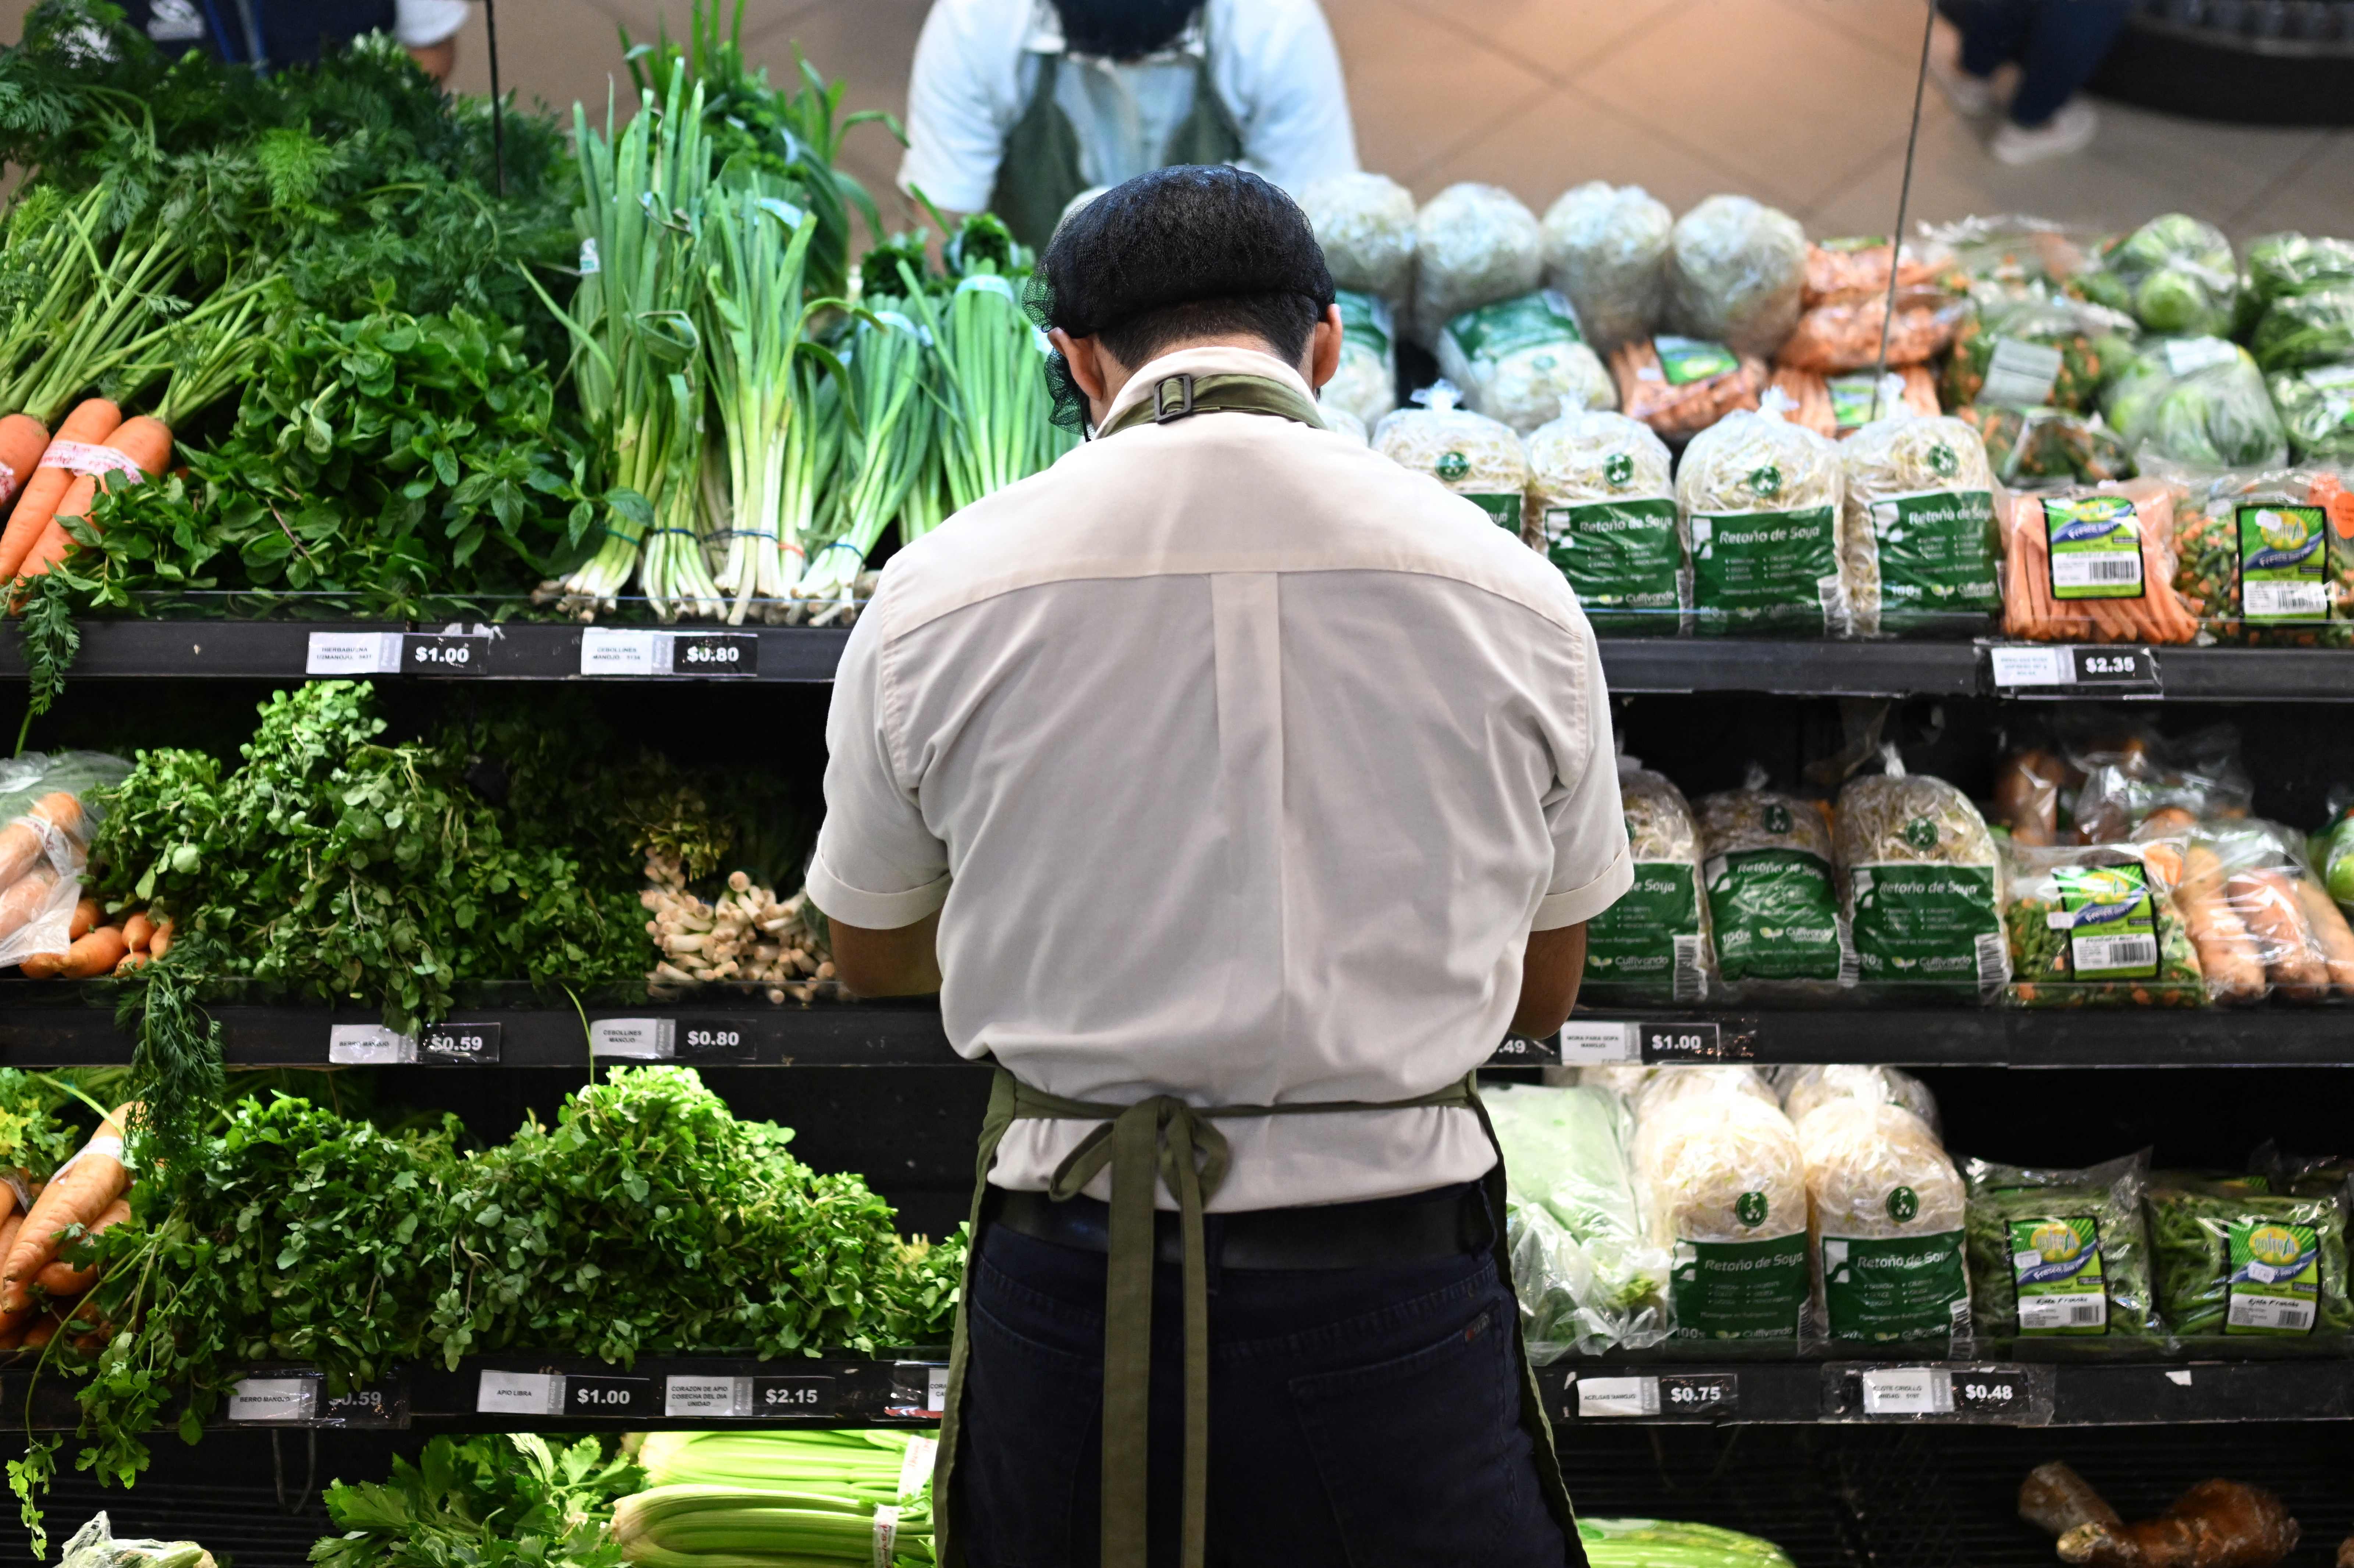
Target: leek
(780, 1499)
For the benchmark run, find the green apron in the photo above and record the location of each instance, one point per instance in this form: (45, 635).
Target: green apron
(1040, 170)
(1165, 1139)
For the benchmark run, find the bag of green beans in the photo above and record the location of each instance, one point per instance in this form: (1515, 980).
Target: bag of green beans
(2233, 1257)
(2059, 1252)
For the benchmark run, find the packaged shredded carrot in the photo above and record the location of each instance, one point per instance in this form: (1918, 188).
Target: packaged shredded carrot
(2095, 565)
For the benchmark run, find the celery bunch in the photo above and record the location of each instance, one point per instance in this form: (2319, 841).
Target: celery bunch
(780, 1499)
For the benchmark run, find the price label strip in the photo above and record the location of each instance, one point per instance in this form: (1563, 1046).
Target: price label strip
(1908, 1390)
(634, 1039)
(1988, 1394)
(703, 1397)
(1713, 1396)
(368, 1045)
(714, 653)
(1521, 1051)
(1702, 1396)
(2059, 671)
(1700, 1040)
(609, 1398)
(919, 1390)
(1594, 1042)
(610, 652)
(460, 1044)
(711, 1039)
(445, 653)
(350, 654)
(523, 1394)
(275, 1401)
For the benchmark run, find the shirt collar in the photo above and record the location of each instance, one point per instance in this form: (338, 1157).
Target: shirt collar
(1216, 359)
(1045, 37)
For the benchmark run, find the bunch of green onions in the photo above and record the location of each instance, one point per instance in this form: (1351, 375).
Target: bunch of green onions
(780, 1500)
(887, 448)
(995, 413)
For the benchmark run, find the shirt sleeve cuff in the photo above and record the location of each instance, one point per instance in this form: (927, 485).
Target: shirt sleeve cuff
(872, 911)
(1558, 909)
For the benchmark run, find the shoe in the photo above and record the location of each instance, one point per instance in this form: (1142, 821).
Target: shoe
(1972, 96)
(2069, 131)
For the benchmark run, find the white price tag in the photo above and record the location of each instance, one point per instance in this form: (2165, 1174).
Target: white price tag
(712, 1397)
(274, 1399)
(2043, 666)
(936, 1390)
(1585, 1043)
(519, 1394)
(617, 651)
(634, 1039)
(1601, 1396)
(368, 1045)
(353, 653)
(1908, 1390)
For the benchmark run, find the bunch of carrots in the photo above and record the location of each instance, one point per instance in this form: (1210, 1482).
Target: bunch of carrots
(2030, 610)
(2255, 926)
(94, 448)
(41, 1293)
(101, 946)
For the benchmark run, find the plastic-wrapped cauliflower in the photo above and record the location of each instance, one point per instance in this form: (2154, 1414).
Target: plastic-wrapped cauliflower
(1566, 1155)
(1759, 499)
(1523, 360)
(1474, 245)
(1919, 547)
(1806, 1089)
(1887, 1207)
(1365, 224)
(1721, 1187)
(1653, 943)
(1606, 247)
(1736, 271)
(1343, 421)
(1366, 382)
(1472, 455)
(1607, 513)
(1921, 878)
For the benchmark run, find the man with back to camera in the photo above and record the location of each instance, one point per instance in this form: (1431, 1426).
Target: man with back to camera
(1239, 790)
(1021, 105)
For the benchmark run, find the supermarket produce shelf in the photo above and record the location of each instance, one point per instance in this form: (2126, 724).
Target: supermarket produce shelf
(807, 655)
(872, 1034)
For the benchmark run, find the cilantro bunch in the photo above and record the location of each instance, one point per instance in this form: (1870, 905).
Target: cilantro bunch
(508, 1502)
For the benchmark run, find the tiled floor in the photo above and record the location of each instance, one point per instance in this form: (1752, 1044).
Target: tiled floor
(1801, 102)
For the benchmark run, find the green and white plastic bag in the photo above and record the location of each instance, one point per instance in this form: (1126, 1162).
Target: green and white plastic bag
(1722, 1186)
(1522, 360)
(1888, 1209)
(1919, 546)
(1773, 907)
(1604, 512)
(1653, 945)
(1758, 499)
(1470, 453)
(1922, 882)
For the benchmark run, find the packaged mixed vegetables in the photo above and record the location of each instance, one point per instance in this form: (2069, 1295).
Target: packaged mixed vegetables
(1474, 245)
(2199, 401)
(1520, 360)
(1604, 510)
(2173, 274)
(2126, 775)
(1735, 269)
(2095, 565)
(2096, 925)
(1606, 247)
(2233, 1258)
(2032, 351)
(2280, 265)
(1653, 944)
(2266, 556)
(2060, 1252)
(1887, 1207)
(1759, 498)
(2045, 448)
(1721, 1187)
(1365, 382)
(1365, 223)
(1919, 546)
(1772, 910)
(1921, 881)
(1679, 386)
(1470, 454)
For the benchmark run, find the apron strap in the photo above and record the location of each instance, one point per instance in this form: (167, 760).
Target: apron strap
(1181, 397)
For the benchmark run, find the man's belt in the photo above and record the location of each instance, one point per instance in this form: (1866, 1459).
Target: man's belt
(1420, 1227)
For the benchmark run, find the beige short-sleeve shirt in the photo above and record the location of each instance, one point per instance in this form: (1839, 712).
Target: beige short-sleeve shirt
(1239, 762)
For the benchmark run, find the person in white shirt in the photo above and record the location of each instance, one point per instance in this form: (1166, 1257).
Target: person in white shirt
(1018, 106)
(1239, 791)
(273, 33)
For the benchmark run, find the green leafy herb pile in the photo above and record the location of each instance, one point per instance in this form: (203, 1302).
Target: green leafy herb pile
(510, 1501)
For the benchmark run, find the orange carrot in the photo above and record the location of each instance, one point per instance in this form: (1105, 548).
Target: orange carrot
(95, 954)
(160, 942)
(137, 929)
(85, 917)
(25, 899)
(2329, 930)
(62, 1278)
(41, 966)
(2267, 906)
(130, 961)
(147, 442)
(22, 843)
(91, 421)
(23, 440)
(80, 1191)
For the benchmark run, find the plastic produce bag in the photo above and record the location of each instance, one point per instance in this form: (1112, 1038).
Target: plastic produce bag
(2250, 876)
(2333, 850)
(2095, 565)
(2133, 783)
(1653, 943)
(2280, 265)
(1679, 385)
(2195, 400)
(1843, 271)
(2232, 1259)
(2266, 558)
(2317, 412)
(1807, 1089)
(1664, 1544)
(2306, 329)
(95, 1545)
(2044, 447)
(2096, 925)
(1839, 337)
(1735, 269)
(1919, 547)
(2018, 253)
(2029, 791)
(1606, 248)
(1661, 1086)
(1365, 224)
(2060, 1252)
(1887, 1211)
(1565, 1159)
(1759, 498)
(1471, 455)
(1523, 360)
(2173, 274)
(1771, 905)
(1605, 511)
(1921, 880)
(1838, 406)
(1366, 382)
(1721, 1188)
(1474, 245)
(2031, 352)
(48, 813)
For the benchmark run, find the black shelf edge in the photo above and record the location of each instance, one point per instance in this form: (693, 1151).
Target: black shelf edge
(870, 1034)
(1662, 665)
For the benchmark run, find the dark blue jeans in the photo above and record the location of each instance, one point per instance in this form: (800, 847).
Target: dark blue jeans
(2057, 44)
(1359, 1418)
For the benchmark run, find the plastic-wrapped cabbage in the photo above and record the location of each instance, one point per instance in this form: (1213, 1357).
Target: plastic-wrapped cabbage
(1919, 873)
(1653, 943)
(1472, 455)
(2060, 1252)
(2173, 274)
(1606, 247)
(1758, 500)
(1606, 511)
(1735, 269)
(2316, 409)
(1770, 898)
(1888, 1207)
(1365, 224)
(2196, 400)
(1474, 245)
(1523, 360)
(1722, 1186)
(1366, 382)
(1919, 547)
(2280, 265)
(1807, 1089)
(1566, 1156)
(2306, 328)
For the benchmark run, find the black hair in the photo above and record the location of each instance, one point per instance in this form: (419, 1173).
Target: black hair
(1196, 251)
(1122, 29)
